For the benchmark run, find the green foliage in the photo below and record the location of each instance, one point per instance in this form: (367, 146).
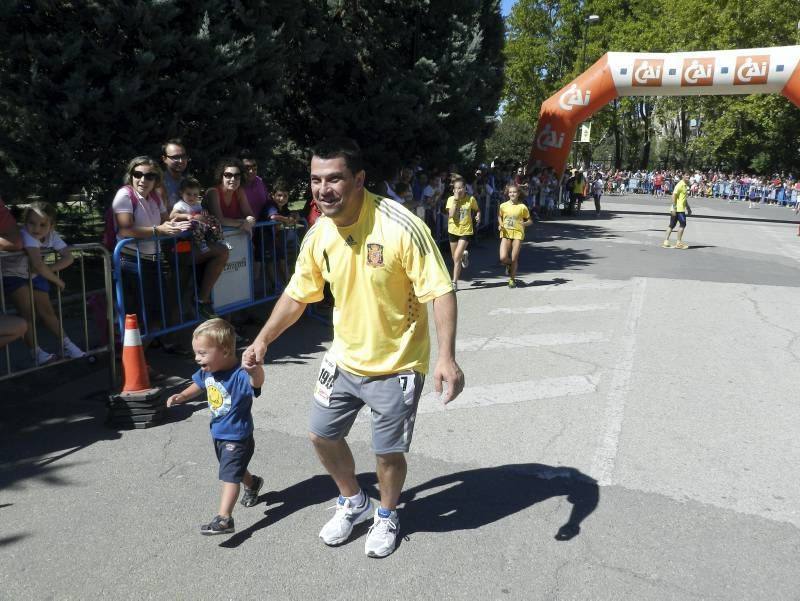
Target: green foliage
(88, 85)
(761, 133)
(511, 140)
(403, 78)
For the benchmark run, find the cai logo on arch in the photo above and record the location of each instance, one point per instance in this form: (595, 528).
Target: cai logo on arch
(698, 71)
(647, 72)
(751, 70)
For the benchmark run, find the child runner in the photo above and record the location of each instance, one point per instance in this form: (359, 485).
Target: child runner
(39, 236)
(460, 209)
(512, 220)
(229, 390)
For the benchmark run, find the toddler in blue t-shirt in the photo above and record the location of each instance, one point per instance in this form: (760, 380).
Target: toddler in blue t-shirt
(229, 389)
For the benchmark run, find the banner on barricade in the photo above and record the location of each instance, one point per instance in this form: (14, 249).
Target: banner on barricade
(234, 284)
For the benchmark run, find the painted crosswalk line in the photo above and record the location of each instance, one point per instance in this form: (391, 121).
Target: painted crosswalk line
(480, 343)
(503, 394)
(546, 309)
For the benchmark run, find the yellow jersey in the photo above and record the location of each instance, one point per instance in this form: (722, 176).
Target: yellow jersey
(381, 270)
(512, 218)
(679, 194)
(461, 223)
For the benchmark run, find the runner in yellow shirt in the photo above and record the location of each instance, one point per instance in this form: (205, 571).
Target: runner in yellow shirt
(382, 265)
(512, 220)
(460, 211)
(678, 211)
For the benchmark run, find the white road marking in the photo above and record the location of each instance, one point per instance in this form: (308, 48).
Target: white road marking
(575, 286)
(549, 309)
(511, 392)
(782, 241)
(606, 454)
(479, 343)
(503, 394)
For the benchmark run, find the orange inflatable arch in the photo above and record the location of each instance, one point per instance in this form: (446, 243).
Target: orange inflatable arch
(752, 71)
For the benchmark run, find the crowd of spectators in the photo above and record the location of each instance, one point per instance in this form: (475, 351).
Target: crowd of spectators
(160, 200)
(778, 189)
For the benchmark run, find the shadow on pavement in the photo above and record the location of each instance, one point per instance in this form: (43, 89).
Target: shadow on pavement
(568, 230)
(461, 501)
(313, 491)
(473, 498)
(37, 435)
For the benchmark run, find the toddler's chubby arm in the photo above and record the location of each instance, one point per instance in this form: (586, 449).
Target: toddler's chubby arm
(177, 215)
(189, 393)
(256, 373)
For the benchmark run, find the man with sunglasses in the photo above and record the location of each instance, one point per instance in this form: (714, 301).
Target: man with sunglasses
(176, 160)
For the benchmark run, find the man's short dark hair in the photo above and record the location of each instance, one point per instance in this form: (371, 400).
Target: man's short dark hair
(173, 141)
(346, 148)
(247, 155)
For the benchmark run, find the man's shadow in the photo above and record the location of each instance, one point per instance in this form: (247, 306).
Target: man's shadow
(474, 498)
(467, 500)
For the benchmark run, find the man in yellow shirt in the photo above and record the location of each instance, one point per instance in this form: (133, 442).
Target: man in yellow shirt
(382, 266)
(678, 212)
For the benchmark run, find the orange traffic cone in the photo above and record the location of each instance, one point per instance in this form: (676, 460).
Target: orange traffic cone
(134, 369)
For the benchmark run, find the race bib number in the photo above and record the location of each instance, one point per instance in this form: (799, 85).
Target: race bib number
(407, 380)
(325, 379)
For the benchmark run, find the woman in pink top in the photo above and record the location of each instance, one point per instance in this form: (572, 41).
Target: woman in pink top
(227, 201)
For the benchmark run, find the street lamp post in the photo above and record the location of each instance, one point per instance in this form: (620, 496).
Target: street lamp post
(587, 21)
(590, 20)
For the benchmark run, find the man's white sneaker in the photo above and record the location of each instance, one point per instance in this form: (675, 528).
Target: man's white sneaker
(465, 259)
(382, 536)
(340, 526)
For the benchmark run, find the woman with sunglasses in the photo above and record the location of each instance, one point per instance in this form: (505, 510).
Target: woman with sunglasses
(227, 200)
(139, 213)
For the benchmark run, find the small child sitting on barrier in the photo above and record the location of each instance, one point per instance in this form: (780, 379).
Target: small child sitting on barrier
(229, 389)
(206, 229)
(38, 237)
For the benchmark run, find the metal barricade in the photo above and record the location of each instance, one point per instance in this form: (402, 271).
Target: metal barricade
(162, 287)
(97, 300)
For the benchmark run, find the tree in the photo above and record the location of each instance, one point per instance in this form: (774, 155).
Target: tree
(88, 86)
(403, 78)
(511, 140)
(733, 130)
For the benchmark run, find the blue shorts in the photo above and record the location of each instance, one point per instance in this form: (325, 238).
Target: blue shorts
(677, 218)
(12, 282)
(234, 457)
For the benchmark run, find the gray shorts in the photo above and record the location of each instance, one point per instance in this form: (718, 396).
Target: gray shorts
(393, 400)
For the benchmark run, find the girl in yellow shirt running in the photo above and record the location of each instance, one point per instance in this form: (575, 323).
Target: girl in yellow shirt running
(460, 209)
(512, 220)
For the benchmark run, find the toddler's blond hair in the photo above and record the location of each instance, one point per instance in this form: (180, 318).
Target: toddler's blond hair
(219, 331)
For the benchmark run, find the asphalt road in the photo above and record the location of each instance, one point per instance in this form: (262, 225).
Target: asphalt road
(628, 431)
